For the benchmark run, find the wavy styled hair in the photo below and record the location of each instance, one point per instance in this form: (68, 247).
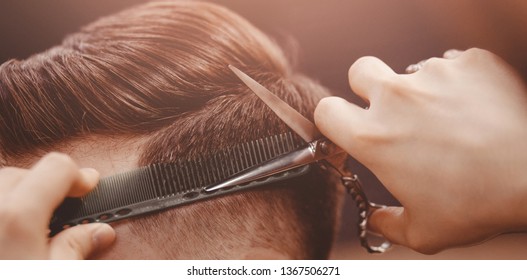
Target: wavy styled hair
(159, 71)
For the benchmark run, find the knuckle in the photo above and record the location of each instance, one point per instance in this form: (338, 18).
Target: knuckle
(475, 54)
(451, 52)
(435, 66)
(360, 64)
(365, 60)
(434, 60)
(433, 63)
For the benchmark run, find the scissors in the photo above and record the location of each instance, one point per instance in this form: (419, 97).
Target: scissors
(318, 150)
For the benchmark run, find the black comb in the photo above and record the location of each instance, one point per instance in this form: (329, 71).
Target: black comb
(160, 186)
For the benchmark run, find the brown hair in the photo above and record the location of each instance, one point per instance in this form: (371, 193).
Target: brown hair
(160, 70)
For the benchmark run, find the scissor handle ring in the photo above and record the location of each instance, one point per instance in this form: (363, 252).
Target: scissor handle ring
(354, 188)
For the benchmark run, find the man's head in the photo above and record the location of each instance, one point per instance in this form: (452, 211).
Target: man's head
(151, 84)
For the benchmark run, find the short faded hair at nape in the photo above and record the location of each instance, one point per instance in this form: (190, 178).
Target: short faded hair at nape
(160, 70)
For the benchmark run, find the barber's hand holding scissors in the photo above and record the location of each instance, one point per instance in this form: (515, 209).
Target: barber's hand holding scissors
(27, 201)
(449, 141)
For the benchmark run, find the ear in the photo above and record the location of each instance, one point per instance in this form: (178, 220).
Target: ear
(259, 253)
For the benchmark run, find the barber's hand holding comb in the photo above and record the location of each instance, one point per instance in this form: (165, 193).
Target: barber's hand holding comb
(28, 198)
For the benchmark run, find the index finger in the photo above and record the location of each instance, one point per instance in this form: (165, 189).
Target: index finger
(367, 76)
(49, 182)
(340, 122)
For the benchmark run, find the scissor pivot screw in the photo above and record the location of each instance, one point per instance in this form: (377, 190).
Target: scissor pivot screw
(324, 148)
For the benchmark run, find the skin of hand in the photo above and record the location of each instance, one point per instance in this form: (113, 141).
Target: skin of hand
(28, 198)
(448, 141)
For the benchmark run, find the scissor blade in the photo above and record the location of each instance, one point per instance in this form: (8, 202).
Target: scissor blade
(298, 123)
(280, 164)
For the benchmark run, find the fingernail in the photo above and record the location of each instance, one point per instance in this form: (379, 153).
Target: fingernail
(103, 236)
(90, 175)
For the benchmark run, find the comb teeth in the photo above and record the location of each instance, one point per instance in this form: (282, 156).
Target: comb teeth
(115, 191)
(159, 186)
(192, 175)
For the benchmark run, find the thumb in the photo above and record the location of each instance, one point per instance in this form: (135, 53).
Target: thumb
(340, 121)
(390, 222)
(81, 241)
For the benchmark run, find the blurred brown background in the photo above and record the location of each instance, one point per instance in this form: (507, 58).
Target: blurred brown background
(326, 37)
